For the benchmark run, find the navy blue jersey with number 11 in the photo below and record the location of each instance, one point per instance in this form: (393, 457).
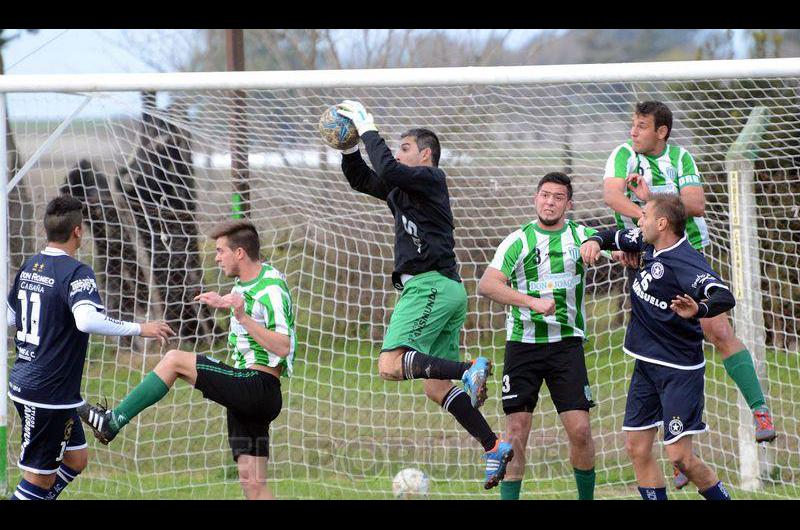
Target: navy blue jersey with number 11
(51, 350)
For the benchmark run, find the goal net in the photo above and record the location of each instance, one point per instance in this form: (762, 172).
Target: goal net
(159, 159)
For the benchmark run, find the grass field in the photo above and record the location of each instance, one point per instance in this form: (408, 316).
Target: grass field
(344, 433)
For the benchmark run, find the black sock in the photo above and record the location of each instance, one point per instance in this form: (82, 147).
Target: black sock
(457, 403)
(417, 365)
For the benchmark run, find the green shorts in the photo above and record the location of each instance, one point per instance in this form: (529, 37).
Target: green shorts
(429, 316)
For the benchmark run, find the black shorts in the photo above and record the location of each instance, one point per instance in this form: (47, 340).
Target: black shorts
(561, 365)
(666, 396)
(252, 398)
(46, 435)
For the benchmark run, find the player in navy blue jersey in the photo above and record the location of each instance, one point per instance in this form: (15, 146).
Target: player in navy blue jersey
(673, 289)
(54, 305)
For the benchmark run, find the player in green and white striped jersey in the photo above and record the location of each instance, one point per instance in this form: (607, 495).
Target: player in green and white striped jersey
(545, 329)
(268, 302)
(648, 164)
(262, 342)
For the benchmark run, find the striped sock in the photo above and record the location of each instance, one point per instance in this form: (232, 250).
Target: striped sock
(457, 403)
(417, 365)
(28, 492)
(64, 476)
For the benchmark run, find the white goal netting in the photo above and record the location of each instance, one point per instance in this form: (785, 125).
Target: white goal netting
(155, 173)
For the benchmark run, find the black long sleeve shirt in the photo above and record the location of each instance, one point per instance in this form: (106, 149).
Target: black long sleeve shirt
(420, 203)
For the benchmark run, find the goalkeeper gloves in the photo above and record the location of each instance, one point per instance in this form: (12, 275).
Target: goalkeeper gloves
(361, 118)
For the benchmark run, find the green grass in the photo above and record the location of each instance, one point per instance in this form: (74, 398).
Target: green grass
(344, 432)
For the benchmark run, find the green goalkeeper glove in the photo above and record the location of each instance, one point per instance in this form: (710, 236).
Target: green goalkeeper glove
(361, 118)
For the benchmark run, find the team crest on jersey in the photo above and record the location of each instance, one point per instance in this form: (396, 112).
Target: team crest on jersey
(670, 173)
(86, 285)
(675, 426)
(657, 271)
(575, 253)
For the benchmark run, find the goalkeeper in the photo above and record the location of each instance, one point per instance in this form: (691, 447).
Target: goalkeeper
(422, 341)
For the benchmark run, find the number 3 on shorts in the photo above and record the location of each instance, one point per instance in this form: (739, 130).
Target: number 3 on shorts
(506, 384)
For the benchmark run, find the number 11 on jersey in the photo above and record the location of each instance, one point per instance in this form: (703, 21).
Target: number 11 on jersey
(36, 306)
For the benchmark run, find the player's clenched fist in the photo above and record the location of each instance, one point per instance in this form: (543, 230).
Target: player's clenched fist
(638, 186)
(544, 306)
(590, 250)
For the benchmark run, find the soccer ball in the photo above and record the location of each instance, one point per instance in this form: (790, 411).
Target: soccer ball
(410, 483)
(336, 130)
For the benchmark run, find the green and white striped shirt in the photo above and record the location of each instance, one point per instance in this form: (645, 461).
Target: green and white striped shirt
(267, 301)
(670, 172)
(545, 264)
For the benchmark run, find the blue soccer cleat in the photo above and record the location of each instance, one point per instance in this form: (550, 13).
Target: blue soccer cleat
(474, 380)
(496, 461)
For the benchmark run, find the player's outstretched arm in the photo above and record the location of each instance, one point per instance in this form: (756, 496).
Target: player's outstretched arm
(361, 177)
(493, 285)
(89, 320)
(387, 168)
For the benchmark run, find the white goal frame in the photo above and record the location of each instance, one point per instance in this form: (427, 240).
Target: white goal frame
(745, 280)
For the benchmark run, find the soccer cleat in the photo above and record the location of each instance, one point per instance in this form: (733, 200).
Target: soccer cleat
(678, 478)
(496, 461)
(474, 380)
(765, 430)
(98, 417)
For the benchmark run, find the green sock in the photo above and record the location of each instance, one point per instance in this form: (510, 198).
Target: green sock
(741, 369)
(148, 392)
(509, 490)
(585, 482)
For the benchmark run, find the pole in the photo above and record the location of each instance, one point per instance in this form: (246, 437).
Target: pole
(748, 317)
(240, 169)
(4, 260)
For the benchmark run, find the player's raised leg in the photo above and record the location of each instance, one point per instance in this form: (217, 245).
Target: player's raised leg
(739, 365)
(106, 424)
(422, 340)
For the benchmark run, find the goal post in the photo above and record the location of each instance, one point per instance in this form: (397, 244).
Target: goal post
(156, 178)
(746, 279)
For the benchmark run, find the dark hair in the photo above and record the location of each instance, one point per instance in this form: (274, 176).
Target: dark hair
(670, 206)
(240, 234)
(660, 112)
(61, 217)
(556, 177)
(426, 139)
